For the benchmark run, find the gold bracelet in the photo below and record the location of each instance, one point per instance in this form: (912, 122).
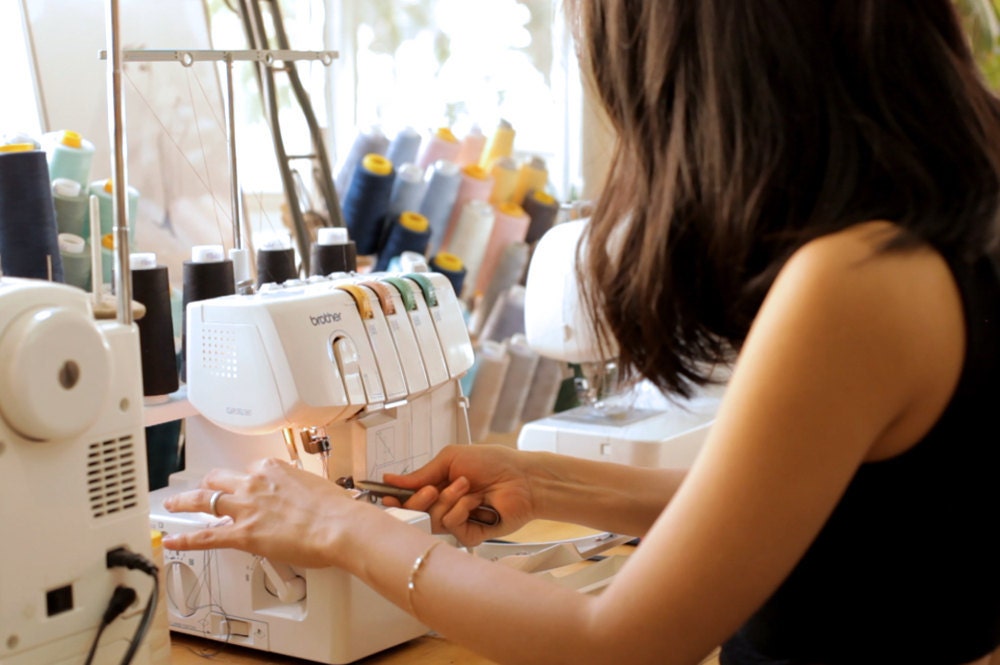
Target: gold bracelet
(411, 581)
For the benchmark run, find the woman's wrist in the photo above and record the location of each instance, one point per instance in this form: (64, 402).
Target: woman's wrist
(545, 482)
(347, 535)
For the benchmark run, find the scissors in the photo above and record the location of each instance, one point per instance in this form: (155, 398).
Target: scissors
(483, 515)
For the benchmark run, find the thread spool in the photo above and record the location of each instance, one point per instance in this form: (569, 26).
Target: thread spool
(439, 199)
(441, 145)
(407, 192)
(409, 262)
(506, 317)
(471, 148)
(501, 144)
(472, 232)
(407, 189)
(276, 263)
(544, 391)
(476, 185)
(509, 271)
(541, 209)
(404, 146)
(492, 365)
(332, 252)
(75, 260)
(367, 202)
(533, 175)
(504, 174)
(151, 287)
(208, 274)
(469, 378)
(516, 384)
(29, 246)
(70, 203)
(104, 191)
(510, 225)
(371, 141)
(410, 233)
(70, 156)
(242, 275)
(16, 141)
(451, 267)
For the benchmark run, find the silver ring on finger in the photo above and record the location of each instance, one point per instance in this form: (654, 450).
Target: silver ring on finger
(213, 503)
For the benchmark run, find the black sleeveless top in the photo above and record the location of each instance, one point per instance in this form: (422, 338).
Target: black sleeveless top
(905, 570)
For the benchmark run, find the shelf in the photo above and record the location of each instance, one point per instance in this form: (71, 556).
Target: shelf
(175, 407)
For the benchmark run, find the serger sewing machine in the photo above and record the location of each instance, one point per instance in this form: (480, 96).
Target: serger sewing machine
(616, 423)
(348, 375)
(73, 482)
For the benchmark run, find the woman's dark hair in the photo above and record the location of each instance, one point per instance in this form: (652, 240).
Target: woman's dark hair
(745, 129)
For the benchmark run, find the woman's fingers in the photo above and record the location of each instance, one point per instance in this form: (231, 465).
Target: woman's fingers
(201, 539)
(226, 480)
(421, 500)
(457, 521)
(197, 501)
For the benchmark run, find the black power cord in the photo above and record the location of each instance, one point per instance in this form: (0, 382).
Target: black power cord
(124, 596)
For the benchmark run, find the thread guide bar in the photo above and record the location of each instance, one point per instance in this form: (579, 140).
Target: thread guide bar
(189, 57)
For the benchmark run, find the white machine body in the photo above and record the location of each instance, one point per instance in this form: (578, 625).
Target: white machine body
(555, 320)
(668, 435)
(73, 479)
(370, 362)
(663, 433)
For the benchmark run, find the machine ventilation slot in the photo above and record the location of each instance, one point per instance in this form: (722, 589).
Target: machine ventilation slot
(218, 352)
(112, 476)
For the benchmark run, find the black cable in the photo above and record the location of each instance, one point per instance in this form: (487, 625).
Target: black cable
(147, 620)
(122, 558)
(122, 597)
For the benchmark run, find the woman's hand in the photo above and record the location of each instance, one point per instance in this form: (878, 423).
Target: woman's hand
(278, 511)
(463, 477)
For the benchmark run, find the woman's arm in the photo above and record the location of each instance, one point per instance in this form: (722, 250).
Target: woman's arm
(851, 358)
(527, 485)
(610, 497)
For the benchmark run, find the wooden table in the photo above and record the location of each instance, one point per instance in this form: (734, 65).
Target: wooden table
(426, 650)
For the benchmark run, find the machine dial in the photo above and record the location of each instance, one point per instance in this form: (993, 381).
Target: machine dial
(55, 373)
(182, 588)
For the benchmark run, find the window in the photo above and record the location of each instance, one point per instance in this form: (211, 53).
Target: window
(456, 63)
(19, 111)
(418, 63)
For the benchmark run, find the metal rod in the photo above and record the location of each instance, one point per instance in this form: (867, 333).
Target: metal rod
(122, 278)
(187, 58)
(325, 181)
(270, 93)
(231, 140)
(96, 269)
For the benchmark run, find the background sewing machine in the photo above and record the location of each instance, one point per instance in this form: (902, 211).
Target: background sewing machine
(616, 422)
(351, 375)
(73, 480)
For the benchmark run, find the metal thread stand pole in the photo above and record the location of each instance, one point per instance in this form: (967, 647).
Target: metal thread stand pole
(231, 141)
(264, 58)
(123, 281)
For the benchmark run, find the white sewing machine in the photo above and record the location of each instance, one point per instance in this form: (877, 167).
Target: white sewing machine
(73, 482)
(350, 375)
(629, 425)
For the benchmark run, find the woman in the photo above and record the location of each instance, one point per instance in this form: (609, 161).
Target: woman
(810, 188)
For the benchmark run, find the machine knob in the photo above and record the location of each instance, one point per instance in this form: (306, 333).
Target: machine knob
(182, 588)
(282, 581)
(55, 373)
